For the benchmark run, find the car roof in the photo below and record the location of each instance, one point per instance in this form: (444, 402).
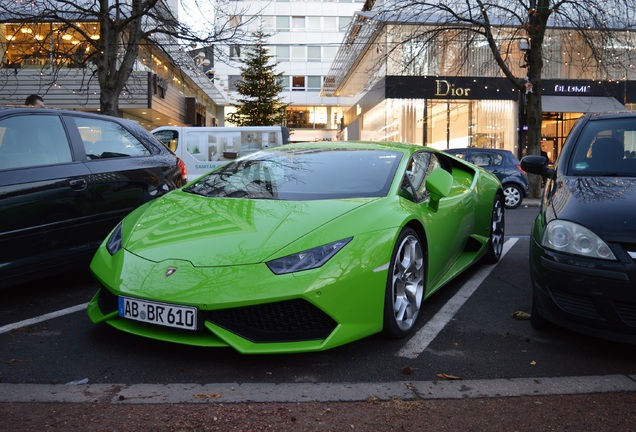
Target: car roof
(10, 109)
(609, 115)
(476, 149)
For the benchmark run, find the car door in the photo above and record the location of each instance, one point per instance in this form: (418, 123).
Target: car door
(124, 171)
(42, 194)
(449, 226)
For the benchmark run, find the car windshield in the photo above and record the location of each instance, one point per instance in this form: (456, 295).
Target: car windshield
(303, 174)
(605, 148)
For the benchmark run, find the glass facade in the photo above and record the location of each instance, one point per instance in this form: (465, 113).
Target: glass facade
(443, 124)
(471, 115)
(40, 45)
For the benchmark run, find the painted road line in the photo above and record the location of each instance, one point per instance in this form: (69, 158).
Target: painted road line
(45, 317)
(421, 340)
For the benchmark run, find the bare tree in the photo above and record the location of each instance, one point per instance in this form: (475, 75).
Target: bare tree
(599, 29)
(124, 27)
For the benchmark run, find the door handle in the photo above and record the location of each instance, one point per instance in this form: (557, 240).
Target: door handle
(77, 184)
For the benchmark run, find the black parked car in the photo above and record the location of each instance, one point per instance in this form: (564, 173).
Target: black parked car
(66, 179)
(583, 245)
(504, 165)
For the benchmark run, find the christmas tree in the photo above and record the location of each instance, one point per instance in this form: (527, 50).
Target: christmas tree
(260, 87)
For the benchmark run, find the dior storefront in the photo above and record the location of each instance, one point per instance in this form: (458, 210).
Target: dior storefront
(451, 112)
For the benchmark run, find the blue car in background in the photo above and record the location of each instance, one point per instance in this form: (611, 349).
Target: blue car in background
(504, 165)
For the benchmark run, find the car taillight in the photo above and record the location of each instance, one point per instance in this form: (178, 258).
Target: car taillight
(183, 170)
(519, 168)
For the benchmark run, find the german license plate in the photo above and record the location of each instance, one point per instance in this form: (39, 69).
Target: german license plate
(169, 315)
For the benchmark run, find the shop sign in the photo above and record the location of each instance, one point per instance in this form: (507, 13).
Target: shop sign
(440, 87)
(583, 88)
(444, 88)
(572, 88)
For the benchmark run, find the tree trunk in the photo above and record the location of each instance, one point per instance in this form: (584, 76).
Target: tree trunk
(109, 101)
(537, 26)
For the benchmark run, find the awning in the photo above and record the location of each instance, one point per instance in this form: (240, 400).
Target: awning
(582, 104)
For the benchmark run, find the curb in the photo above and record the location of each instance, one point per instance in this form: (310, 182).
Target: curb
(118, 394)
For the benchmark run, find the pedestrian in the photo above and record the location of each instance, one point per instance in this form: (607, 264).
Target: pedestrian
(34, 100)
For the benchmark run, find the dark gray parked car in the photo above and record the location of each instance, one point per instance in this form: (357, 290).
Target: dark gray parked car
(66, 180)
(583, 242)
(504, 165)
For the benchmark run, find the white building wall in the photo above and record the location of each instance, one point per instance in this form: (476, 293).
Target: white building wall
(330, 15)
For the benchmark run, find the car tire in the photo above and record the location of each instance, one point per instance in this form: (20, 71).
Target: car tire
(513, 195)
(497, 228)
(405, 285)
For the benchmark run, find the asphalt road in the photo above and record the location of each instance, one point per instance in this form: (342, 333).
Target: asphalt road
(467, 331)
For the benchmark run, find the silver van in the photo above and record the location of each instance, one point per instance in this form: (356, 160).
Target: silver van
(204, 148)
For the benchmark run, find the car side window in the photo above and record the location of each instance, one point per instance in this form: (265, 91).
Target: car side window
(458, 154)
(33, 140)
(486, 158)
(108, 139)
(420, 166)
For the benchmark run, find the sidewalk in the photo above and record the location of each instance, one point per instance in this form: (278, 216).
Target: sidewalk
(530, 202)
(599, 404)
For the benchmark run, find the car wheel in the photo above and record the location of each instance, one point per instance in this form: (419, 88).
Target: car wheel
(497, 226)
(405, 285)
(513, 196)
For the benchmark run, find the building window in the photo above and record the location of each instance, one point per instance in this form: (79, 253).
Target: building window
(235, 51)
(30, 45)
(330, 23)
(298, 53)
(235, 21)
(297, 117)
(307, 117)
(282, 53)
(313, 54)
(314, 83)
(268, 22)
(298, 83)
(314, 23)
(232, 80)
(329, 52)
(298, 23)
(343, 23)
(282, 23)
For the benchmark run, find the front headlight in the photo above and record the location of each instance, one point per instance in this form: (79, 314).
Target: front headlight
(568, 237)
(114, 242)
(306, 260)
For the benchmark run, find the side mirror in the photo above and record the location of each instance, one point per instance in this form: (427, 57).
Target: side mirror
(537, 165)
(439, 184)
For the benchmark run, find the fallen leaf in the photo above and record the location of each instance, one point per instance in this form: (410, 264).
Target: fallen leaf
(533, 363)
(14, 360)
(449, 377)
(521, 315)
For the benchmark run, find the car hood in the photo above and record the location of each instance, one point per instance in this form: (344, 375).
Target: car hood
(606, 205)
(227, 231)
